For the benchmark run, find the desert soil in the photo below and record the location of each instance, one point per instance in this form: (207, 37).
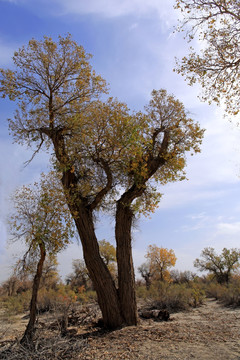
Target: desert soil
(208, 332)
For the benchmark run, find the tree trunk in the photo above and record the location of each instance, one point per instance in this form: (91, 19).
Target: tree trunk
(29, 332)
(147, 282)
(82, 213)
(102, 280)
(126, 278)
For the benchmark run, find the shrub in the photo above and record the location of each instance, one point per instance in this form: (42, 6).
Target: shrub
(59, 299)
(17, 304)
(48, 299)
(173, 297)
(87, 296)
(226, 294)
(215, 290)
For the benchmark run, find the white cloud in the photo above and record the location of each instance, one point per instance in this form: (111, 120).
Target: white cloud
(105, 8)
(114, 8)
(229, 228)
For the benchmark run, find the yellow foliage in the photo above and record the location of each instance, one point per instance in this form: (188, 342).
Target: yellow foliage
(161, 259)
(216, 67)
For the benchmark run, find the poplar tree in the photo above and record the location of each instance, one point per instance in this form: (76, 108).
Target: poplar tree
(109, 158)
(41, 220)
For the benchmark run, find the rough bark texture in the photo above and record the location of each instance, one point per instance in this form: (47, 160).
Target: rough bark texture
(29, 332)
(126, 278)
(82, 212)
(102, 280)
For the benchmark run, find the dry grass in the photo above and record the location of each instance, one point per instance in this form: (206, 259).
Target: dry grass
(44, 349)
(209, 332)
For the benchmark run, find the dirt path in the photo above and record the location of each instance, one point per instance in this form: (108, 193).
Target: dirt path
(210, 332)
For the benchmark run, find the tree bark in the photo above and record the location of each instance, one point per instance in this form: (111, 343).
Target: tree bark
(82, 213)
(102, 280)
(29, 332)
(126, 277)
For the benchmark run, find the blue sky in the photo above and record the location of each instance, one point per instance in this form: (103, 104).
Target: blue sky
(133, 48)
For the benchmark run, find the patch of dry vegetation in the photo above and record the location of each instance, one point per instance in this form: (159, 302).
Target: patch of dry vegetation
(207, 332)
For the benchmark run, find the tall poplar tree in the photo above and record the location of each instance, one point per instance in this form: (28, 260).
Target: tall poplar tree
(109, 158)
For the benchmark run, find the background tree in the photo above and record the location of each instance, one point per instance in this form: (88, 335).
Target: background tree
(146, 273)
(161, 259)
(79, 277)
(108, 254)
(25, 270)
(50, 277)
(181, 277)
(109, 159)
(10, 285)
(221, 266)
(217, 66)
(42, 221)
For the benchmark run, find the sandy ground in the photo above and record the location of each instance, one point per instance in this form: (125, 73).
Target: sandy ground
(208, 332)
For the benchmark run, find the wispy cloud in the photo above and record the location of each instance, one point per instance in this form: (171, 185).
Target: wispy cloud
(105, 8)
(229, 228)
(114, 8)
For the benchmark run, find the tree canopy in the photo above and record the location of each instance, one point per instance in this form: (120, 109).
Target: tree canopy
(110, 159)
(41, 216)
(101, 144)
(217, 26)
(221, 266)
(160, 259)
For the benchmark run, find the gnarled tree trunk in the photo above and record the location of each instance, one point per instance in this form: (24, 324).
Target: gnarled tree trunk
(29, 332)
(126, 278)
(102, 280)
(82, 213)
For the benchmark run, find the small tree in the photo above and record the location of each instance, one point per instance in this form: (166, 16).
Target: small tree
(79, 277)
(26, 270)
(108, 254)
(161, 259)
(146, 273)
(180, 277)
(42, 220)
(10, 285)
(50, 277)
(221, 266)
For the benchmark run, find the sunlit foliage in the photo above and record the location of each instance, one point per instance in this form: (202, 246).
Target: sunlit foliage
(217, 25)
(221, 266)
(161, 259)
(110, 158)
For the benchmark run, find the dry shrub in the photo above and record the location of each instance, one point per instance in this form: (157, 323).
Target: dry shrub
(215, 290)
(228, 294)
(45, 348)
(17, 304)
(48, 300)
(86, 297)
(59, 299)
(173, 297)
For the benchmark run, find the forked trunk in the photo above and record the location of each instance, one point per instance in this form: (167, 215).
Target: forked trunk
(29, 332)
(126, 278)
(102, 280)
